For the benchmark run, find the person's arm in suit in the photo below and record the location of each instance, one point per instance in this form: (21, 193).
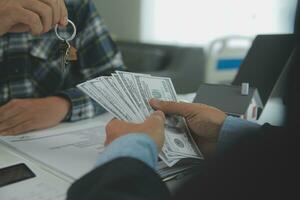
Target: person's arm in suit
(244, 160)
(121, 179)
(138, 153)
(125, 170)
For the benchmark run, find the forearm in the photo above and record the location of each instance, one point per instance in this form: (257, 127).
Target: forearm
(142, 148)
(81, 106)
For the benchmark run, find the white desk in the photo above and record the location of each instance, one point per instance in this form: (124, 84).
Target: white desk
(44, 186)
(57, 182)
(50, 155)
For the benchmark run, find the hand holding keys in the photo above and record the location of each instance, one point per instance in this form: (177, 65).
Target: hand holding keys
(65, 46)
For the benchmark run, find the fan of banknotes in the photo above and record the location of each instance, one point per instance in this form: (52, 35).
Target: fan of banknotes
(126, 96)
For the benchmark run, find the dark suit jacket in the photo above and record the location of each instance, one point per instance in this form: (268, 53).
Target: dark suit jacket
(258, 167)
(121, 179)
(250, 170)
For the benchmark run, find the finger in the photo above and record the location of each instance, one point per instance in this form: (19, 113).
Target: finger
(117, 128)
(19, 28)
(23, 127)
(54, 4)
(13, 121)
(8, 110)
(109, 129)
(63, 13)
(173, 108)
(113, 120)
(157, 117)
(116, 125)
(41, 9)
(27, 17)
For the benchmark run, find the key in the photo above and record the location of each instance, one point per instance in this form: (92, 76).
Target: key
(67, 53)
(64, 52)
(73, 54)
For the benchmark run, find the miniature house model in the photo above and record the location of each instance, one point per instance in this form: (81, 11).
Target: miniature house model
(233, 100)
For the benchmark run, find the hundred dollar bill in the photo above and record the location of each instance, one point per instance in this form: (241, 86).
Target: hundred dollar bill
(178, 137)
(86, 88)
(124, 97)
(169, 162)
(121, 98)
(111, 100)
(123, 88)
(154, 87)
(128, 81)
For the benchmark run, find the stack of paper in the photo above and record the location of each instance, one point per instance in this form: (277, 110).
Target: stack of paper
(126, 95)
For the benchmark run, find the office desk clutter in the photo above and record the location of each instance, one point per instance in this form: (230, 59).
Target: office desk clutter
(126, 96)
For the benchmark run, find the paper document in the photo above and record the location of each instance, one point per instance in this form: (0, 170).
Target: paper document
(44, 185)
(72, 151)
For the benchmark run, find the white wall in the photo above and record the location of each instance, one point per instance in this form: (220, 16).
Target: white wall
(123, 17)
(200, 21)
(195, 22)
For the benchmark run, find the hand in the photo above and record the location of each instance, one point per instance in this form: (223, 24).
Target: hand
(153, 127)
(20, 116)
(36, 16)
(204, 121)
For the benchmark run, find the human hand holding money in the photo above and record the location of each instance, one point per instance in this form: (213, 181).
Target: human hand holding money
(153, 127)
(126, 96)
(204, 121)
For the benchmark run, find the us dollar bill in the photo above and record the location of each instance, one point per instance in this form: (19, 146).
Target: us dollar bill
(154, 87)
(128, 80)
(111, 100)
(122, 99)
(97, 97)
(178, 138)
(126, 95)
(118, 82)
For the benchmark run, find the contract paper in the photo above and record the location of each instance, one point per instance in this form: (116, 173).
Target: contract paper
(70, 149)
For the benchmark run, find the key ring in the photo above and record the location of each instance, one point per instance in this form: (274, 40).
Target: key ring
(70, 38)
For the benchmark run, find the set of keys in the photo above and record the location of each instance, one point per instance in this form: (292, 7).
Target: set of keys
(65, 48)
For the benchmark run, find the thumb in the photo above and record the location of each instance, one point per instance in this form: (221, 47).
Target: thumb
(173, 108)
(157, 117)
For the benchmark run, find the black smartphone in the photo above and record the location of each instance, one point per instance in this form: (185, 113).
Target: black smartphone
(14, 174)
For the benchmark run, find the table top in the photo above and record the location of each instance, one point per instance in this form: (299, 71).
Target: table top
(273, 113)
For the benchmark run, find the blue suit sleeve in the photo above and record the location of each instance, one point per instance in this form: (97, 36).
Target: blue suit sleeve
(232, 130)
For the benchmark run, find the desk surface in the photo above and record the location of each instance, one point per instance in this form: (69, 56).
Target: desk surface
(273, 112)
(36, 149)
(44, 186)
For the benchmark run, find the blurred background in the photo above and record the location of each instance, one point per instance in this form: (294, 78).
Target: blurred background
(192, 41)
